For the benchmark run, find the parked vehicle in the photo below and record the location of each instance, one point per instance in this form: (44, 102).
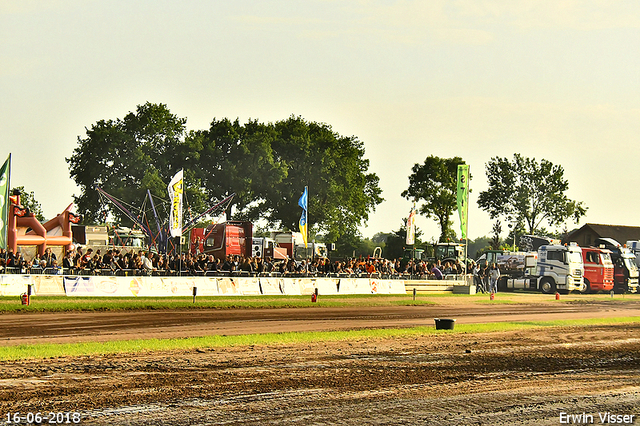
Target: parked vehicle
(453, 252)
(634, 247)
(549, 269)
(288, 240)
(625, 272)
(267, 247)
(533, 242)
(598, 269)
(312, 251)
(223, 239)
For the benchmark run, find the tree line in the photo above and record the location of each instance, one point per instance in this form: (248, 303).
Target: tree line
(267, 166)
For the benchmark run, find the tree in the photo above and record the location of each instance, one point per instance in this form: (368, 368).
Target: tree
(266, 165)
(28, 200)
(495, 236)
(527, 191)
(397, 242)
(239, 159)
(341, 191)
(435, 183)
(125, 157)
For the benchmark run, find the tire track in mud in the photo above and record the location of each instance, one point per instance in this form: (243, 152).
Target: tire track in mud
(501, 378)
(26, 328)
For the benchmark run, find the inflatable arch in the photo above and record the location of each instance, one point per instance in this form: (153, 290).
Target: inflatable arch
(24, 229)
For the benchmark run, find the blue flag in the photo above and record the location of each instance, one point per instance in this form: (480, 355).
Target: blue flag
(302, 202)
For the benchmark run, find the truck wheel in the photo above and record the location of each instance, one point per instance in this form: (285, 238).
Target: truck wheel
(547, 286)
(587, 287)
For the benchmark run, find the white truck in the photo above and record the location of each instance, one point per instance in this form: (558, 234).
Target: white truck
(634, 247)
(549, 269)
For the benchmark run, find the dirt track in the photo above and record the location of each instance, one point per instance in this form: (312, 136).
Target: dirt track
(523, 377)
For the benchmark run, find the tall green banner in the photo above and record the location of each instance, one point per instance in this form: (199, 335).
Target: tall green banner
(463, 197)
(4, 201)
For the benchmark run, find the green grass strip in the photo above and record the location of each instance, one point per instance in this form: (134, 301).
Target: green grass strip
(43, 351)
(99, 304)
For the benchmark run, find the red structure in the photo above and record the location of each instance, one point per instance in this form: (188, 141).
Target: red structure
(25, 230)
(223, 239)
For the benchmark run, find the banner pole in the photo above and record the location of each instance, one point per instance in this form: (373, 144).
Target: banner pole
(5, 219)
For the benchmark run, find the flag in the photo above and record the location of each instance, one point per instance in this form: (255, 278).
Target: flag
(175, 189)
(463, 197)
(411, 227)
(302, 202)
(5, 171)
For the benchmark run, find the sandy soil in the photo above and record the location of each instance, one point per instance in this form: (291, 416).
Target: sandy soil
(502, 378)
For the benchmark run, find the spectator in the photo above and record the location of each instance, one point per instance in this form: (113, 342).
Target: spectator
(147, 264)
(67, 262)
(494, 275)
(437, 272)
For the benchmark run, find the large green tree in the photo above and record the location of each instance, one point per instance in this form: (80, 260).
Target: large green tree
(28, 200)
(530, 192)
(238, 159)
(125, 157)
(267, 166)
(433, 184)
(341, 190)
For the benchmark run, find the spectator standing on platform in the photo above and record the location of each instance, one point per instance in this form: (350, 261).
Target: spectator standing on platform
(49, 257)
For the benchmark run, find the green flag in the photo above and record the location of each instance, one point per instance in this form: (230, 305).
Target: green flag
(463, 197)
(4, 201)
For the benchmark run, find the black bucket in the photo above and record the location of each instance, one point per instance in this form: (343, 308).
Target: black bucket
(444, 323)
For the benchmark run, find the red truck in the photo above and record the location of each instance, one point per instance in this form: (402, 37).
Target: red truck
(223, 239)
(598, 269)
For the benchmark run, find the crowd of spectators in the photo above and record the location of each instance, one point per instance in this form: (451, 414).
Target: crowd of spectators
(141, 262)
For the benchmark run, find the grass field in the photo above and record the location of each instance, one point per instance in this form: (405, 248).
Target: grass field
(65, 304)
(68, 304)
(44, 351)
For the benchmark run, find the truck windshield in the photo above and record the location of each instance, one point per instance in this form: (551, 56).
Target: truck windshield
(574, 257)
(606, 258)
(444, 252)
(630, 264)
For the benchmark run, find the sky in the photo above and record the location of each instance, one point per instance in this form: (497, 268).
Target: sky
(552, 79)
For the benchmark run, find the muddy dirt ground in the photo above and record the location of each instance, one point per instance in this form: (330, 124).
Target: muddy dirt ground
(499, 378)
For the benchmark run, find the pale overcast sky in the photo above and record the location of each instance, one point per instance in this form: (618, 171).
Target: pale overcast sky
(554, 79)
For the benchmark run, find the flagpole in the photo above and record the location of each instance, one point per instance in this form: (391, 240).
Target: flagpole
(5, 219)
(466, 231)
(306, 213)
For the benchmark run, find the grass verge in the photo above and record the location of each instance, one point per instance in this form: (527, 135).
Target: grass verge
(43, 351)
(83, 304)
(97, 304)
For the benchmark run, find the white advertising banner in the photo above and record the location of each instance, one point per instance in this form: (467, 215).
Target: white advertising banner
(327, 285)
(48, 285)
(272, 286)
(14, 285)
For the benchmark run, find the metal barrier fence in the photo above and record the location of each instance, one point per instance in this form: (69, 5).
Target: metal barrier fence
(172, 273)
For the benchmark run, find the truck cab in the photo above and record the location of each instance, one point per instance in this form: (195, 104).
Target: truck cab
(560, 268)
(634, 247)
(625, 270)
(449, 251)
(552, 268)
(598, 269)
